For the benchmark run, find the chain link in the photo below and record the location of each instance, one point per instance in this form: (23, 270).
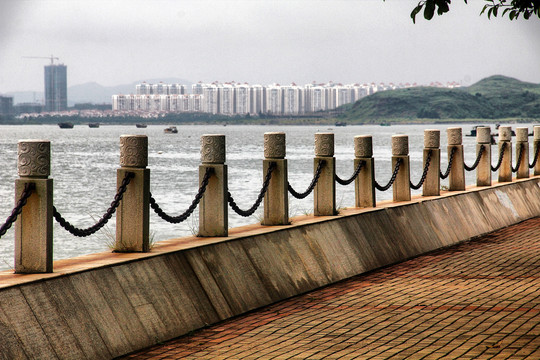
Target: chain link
(104, 219)
(520, 156)
(392, 179)
(477, 161)
(447, 173)
(535, 157)
(424, 174)
(28, 188)
(251, 210)
(311, 186)
(354, 175)
(501, 155)
(182, 217)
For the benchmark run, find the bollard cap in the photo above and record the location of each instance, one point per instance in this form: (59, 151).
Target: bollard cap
(505, 133)
(536, 130)
(483, 135)
(400, 145)
(274, 145)
(213, 149)
(363, 146)
(432, 139)
(324, 144)
(34, 158)
(522, 134)
(454, 135)
(134, 151)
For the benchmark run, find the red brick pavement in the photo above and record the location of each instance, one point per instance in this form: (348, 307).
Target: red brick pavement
(477, 300)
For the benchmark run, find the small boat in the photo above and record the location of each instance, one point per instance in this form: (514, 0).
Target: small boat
(140, 126)
(171, 130)
(65, 125)
(93, 125)
(385, 124)
(340, 123)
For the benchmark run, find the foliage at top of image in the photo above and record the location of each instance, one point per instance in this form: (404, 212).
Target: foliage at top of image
(514, 8)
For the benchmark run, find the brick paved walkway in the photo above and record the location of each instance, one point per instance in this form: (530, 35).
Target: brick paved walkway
(477, 300)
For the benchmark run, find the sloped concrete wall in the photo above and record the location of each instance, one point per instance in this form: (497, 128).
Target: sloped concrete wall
(106, 305)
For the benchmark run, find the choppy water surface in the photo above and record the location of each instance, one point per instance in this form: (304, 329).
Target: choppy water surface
(84, 163)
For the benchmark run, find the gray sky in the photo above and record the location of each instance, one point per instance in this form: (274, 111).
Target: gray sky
(260, 41)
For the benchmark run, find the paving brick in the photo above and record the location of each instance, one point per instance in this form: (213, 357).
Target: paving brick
(480, 299)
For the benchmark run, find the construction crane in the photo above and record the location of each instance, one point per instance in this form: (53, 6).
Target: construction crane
(42, 57)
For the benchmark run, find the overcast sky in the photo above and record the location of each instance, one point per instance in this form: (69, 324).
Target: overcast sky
(260, 41)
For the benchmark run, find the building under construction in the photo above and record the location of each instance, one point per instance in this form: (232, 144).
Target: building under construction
(55, 87)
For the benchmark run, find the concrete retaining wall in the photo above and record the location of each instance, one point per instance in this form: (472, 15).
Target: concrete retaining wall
(105, 305)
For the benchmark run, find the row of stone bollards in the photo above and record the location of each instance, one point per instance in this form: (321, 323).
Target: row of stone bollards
(33, 230)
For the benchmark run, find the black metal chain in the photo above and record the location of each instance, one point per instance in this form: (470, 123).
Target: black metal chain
(28, 188)
(311, 186)
(520, 156)
(501, 155)
(477, 161)
(447, 172)
(182, 217)
(392, 179)
(424, 174)
(535, 156)
(252, 209)
(104, 219)
(354, 175)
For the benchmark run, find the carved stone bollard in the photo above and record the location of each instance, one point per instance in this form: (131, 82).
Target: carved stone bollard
(400, 150)
(483, 171)
(456, 178)
(536, 144)
(276, 199)
(432, 183)
(364, 185)
(213, 208)
(505, 137)
(522, 145)
(34, 226)
(133, 213)
(324, 195)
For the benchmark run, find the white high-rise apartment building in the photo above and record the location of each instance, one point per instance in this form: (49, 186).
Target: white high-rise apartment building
(257, 100)
(291, 100)
(242, 99)
(211, 99)
(226, 99)
(273, 100)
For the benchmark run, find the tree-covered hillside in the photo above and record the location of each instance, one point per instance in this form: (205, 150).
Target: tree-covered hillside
(495, 97)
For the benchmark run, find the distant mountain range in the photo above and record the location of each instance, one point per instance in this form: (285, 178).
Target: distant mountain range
(495, 97)
(91, 92)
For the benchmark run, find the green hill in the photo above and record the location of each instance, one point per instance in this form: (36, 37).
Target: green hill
(495, 97)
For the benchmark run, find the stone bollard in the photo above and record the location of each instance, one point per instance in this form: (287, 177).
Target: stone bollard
(276, 199)
(432, 183)
(364, 184)
(522, 142)
(400, 150)
(456, 178)
(213, 208)
(34, 225)
(324, 196)
(505, 137)
(483, 171)
(536, 145)
(133, 213)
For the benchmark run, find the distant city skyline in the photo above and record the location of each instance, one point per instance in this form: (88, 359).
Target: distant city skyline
(261, 41)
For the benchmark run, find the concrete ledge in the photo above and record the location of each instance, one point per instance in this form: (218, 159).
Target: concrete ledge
(105, 305)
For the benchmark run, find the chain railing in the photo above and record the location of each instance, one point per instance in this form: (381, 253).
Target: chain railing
(104, 219)
(501, 156)
(354, 175)
(182, 217)
(392, 179)
(520, 156)
(535, 157)
(311, 186)
(252, 209)
(28, 188)
(477, 161)
(424, 173)
(450, 159)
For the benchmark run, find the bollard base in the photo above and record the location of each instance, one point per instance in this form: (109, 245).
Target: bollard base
(276, 199)
(213, 208)
(364, 185)
(324, 195)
